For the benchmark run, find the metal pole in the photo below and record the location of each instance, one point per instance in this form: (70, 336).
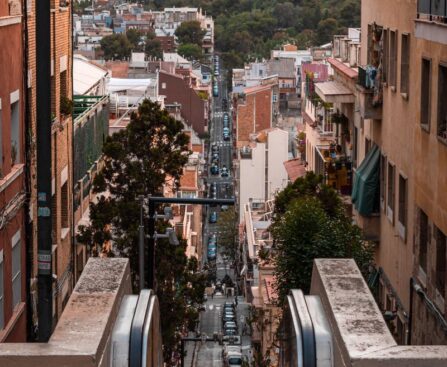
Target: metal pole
(182, 353)
(141, 244)
(43, 135)
(151, 257)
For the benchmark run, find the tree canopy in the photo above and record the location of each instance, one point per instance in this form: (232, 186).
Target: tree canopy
(190, 51)
(228, 231)
(245, 29)
(138, 160)
(190, 32)
(310, 222)
(116, 47)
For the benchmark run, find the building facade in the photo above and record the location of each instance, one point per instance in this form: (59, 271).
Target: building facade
(406, 43)
(61, 146)
(12, 174)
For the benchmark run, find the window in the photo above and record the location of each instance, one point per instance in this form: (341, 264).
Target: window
(423, 240)
(54, 218)
(405, 64)
(64, 86)
(390, 194)
(2, 296)
(15, 133)
(382, 180)
(393, 59)
(441, 255)
(385, 59)
(425, 92)
(402, 217)
(16, 270)
(442, 105)
(64, 206)
(163, 85)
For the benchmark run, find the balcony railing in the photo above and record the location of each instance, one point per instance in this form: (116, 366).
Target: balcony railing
(435, 10)
(367, 76)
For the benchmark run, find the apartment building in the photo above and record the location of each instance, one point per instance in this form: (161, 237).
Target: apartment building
(61, 146)
(259, 171)
(12, 174)
(385, 106)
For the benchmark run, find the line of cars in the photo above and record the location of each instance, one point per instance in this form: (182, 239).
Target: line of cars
(216, 74)
(232, 354)
(214, 169)
(212, 247)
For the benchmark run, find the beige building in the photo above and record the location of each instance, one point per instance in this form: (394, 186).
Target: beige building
(385, 111)
(406, 42)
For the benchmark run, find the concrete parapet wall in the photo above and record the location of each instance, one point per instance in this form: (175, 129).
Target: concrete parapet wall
(360, 335)
(82, 335)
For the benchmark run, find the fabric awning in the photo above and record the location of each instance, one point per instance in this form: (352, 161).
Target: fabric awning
(365, 193)
(334, 92)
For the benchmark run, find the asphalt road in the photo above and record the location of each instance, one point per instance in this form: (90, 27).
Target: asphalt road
(210, 354)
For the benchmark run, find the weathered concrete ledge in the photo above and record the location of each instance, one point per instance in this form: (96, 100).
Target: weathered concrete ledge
(360, 335)
(82, 335)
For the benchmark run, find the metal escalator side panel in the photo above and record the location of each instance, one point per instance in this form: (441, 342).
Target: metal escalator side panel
(322, 331)
(137, 328)
(298, 342)
(119, 351)
(307, 329)
(152, 352)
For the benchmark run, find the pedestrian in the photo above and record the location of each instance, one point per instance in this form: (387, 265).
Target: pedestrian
(235, 301)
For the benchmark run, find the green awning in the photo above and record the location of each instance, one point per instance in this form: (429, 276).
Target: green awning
(365, 193)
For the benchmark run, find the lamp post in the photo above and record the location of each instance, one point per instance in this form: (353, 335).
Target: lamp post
(153, 200)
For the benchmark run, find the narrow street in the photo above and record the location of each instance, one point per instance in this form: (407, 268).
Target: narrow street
(210, 354)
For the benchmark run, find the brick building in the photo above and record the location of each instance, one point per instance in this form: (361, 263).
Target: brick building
(254, 112)
(61, 90)
(194, 110)
(167, 43)
(12, 175)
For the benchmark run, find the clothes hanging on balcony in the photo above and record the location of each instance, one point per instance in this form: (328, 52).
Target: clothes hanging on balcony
(370, 76)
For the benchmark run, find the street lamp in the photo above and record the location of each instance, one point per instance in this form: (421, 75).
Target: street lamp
(170, 234)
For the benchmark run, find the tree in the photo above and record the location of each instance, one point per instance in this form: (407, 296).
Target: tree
(190, 32)
(310, 222)
(115, 47)
(153, 47)
(134, 38)
(138, 160)
(227, 227)
(190, 51)
(325, 30)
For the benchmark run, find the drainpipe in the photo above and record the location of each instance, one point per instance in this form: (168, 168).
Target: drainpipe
(410, 316)
(43, 135)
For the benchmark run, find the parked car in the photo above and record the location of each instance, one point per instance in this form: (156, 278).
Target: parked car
(233, 359)
(226, 133)
(211, 255)
(230, 325)
(226, 318)
(215, 90)
(230, 332)
(213, 217)
(214, 169)
(214, 148)
(224, 172)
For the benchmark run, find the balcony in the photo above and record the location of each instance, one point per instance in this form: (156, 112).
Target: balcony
(370, 97)
(431, 22)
